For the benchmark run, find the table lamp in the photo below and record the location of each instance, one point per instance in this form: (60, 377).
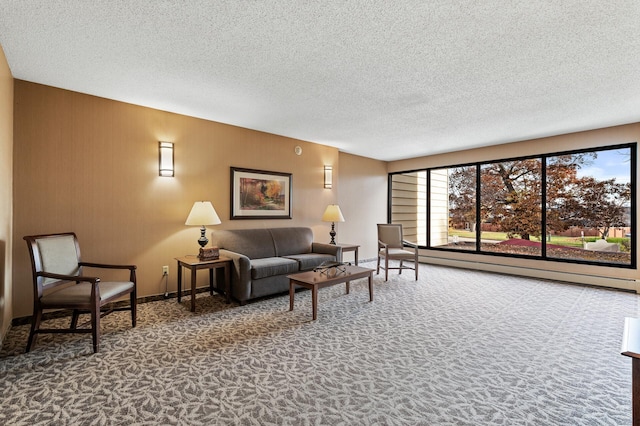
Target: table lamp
(202, 213)
(332, 214)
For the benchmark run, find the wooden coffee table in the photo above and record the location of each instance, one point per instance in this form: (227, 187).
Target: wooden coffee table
(314, 280)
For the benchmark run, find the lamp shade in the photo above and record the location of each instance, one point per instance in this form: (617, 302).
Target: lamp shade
(202, 213)
(332, 214)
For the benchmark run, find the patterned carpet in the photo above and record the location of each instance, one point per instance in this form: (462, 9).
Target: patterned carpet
(456, 348)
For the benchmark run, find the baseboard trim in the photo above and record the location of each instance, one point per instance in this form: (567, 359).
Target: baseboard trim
(67, 312)
(627, 284)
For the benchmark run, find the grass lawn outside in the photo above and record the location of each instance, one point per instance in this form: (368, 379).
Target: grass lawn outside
(558, 247)
(555, 239)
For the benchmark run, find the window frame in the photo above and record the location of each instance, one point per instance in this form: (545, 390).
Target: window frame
(632, 146)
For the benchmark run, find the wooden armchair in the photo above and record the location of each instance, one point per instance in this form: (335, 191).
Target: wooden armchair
(58, 283)
(391, 246)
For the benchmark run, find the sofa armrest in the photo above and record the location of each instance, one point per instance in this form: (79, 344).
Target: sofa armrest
(240, 274)
(324, 248)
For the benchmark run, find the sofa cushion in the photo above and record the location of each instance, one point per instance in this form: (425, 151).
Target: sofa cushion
(309, 261)
(253, 243)
(292, 240)
(267, 267)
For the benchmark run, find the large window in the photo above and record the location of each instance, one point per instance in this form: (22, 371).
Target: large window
(510, 210)
(453, 208)
(408, 204)
(574, 206)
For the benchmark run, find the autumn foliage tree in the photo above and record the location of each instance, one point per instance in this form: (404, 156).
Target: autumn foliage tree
(511, 196)
(563, 186)
(599, 205)
(462, 195)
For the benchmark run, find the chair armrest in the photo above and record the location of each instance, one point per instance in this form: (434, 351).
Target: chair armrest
(130, 268)
(409, 244)
(107, 266)
(406, 243)
(76, 278)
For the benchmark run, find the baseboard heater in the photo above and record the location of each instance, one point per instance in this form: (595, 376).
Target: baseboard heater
(628, 284)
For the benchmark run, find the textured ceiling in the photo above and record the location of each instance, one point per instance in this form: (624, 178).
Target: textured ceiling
(378, 78)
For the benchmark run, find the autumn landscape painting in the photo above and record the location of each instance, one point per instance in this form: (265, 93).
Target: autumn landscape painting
(261, 194)
(258, 194)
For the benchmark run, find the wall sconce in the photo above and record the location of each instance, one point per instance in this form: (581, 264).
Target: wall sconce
(166, 158)
(328, 177)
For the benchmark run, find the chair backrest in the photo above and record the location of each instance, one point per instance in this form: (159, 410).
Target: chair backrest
(390, 234)
(54, 253)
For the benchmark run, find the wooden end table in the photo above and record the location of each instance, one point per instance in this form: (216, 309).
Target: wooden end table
(194, 264)
(314, 280)
(631, 348)
(350, 247)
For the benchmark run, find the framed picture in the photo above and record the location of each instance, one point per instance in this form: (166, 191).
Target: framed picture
(259, 194)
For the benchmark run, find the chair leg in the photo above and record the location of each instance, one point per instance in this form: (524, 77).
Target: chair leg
(74, 319)
(95, 326)
(378, 267)
(386, 268)
(401, 266)
(35, 325)
(134, 308)
(415, 265)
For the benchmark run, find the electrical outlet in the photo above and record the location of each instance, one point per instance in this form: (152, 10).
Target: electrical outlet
(165, 270)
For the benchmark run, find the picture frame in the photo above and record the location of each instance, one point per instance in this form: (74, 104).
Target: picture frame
(260, 194)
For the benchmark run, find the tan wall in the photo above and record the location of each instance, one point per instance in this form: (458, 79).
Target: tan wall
(6, 191)
(363, 200)
(613, 277)
(90, 165)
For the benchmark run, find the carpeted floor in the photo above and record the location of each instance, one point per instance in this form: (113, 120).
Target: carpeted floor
(457, 347)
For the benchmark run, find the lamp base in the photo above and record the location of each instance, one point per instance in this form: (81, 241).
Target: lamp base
(203, 237)
(333, 234)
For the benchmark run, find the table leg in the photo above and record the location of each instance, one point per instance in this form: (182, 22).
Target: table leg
(347, 287)
(227, 282)
(356, 256)
(314, 301)
(211, 270)
(179, 282)
(193, 289)
(371, 287)
(635, 390)
(291, 294)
